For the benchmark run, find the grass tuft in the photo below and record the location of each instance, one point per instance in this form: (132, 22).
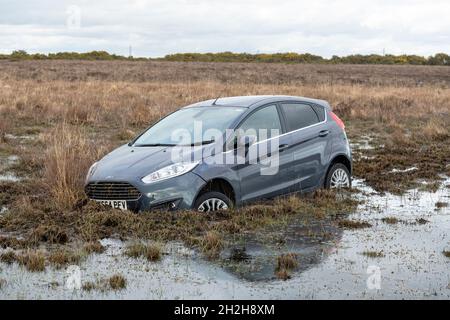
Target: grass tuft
(8, 257)
(151, 252)
(63, 257)
(353, 224)
(88, 286)
(211, 244)
(49, 233)
(286, 263)
(33, 261)
(93, 247)
(117, 282)
(373, 254)
(390, 220)
(67, 160)
(440, 205)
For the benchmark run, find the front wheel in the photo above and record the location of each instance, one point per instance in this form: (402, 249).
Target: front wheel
(212, 201)
(338, 177)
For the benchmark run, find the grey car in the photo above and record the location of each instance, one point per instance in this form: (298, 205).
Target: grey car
(307, 140)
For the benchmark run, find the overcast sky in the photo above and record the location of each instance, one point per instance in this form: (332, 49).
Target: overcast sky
(157, 27)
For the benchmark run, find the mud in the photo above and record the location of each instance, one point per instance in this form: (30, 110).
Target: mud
(331, 263)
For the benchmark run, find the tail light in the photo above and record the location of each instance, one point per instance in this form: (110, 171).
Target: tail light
(338, 120)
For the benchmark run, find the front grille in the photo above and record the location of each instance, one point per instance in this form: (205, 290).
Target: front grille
(112, 191)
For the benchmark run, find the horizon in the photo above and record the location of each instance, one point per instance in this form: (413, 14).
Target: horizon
(221, 52)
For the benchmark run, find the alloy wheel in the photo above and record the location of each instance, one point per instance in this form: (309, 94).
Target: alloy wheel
(212, 204)
(339, 179)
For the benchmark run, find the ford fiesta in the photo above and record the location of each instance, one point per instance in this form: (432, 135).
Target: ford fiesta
(300, 144)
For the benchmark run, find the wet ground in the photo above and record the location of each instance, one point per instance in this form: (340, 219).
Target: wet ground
(409, 261)
(5, 163)
(400, 257)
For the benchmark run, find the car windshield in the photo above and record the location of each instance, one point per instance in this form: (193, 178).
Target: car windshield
(191, 123)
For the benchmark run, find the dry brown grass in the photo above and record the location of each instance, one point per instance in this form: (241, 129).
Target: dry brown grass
(373, 254)
(211, 244)
(285, 264)
(8, 257)
(117, 282)
(152, 252)
(89, 286)
(390, 220)
(93, 247)
(287, 261)
(436, 129)
(353, 224)
(48, 233)
(63, 257)
(68, 158)
(441, 204)
(93, 222)
(32, 260)
(74, 72)
(4, 128)
(77, 111)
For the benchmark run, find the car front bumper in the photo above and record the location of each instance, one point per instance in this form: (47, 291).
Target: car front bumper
(171, 194)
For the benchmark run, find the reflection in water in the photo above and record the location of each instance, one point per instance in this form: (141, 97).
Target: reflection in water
(256, 259)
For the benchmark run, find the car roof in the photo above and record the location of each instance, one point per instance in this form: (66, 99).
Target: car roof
(253, 101)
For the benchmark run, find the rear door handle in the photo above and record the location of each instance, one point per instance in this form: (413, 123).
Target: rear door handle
(283, 147)
(324, 133)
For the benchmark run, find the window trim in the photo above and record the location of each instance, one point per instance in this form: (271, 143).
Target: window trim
(283, 119)
(280, 117)
(302, 103)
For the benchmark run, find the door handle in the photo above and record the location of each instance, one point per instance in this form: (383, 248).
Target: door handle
(283, 147)
(324, 133)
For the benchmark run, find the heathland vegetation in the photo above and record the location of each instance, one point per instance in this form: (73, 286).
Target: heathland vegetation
(58, 117)
(441, 59)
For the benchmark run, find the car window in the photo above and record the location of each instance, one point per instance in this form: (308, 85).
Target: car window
(299, 115)
(320, 112)
(262, 122)
(217, 118)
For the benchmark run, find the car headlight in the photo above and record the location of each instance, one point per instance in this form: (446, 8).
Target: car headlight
(91, 170)
(171, 171)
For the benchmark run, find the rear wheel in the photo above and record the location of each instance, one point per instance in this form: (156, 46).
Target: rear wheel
(212, 201)
(338, 177)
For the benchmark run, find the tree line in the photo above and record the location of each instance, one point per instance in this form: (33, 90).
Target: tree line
(442, 59)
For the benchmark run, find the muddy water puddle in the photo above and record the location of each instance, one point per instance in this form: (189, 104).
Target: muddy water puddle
(332, 262)
(5, 163)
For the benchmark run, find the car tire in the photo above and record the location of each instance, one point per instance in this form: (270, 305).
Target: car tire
(212, 201)
(338, 174)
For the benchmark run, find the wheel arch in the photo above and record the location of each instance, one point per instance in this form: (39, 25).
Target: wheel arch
(220, 185)
(339, 158)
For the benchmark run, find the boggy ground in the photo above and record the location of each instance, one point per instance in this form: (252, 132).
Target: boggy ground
(57, 117)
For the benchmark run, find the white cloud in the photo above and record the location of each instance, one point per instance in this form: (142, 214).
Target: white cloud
(156, 27)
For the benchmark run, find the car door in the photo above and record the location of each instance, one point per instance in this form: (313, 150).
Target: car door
(260, 179)
(310, 144)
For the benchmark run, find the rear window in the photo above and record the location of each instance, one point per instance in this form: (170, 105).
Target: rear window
(299, 115)
(320, 112)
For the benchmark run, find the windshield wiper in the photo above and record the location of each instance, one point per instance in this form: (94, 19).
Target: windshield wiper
(173, 145)
(154, 145)
(201, 143)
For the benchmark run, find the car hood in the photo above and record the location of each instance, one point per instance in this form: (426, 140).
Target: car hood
(125, 162)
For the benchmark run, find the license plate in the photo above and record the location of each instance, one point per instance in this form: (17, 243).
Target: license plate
(116, 204)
